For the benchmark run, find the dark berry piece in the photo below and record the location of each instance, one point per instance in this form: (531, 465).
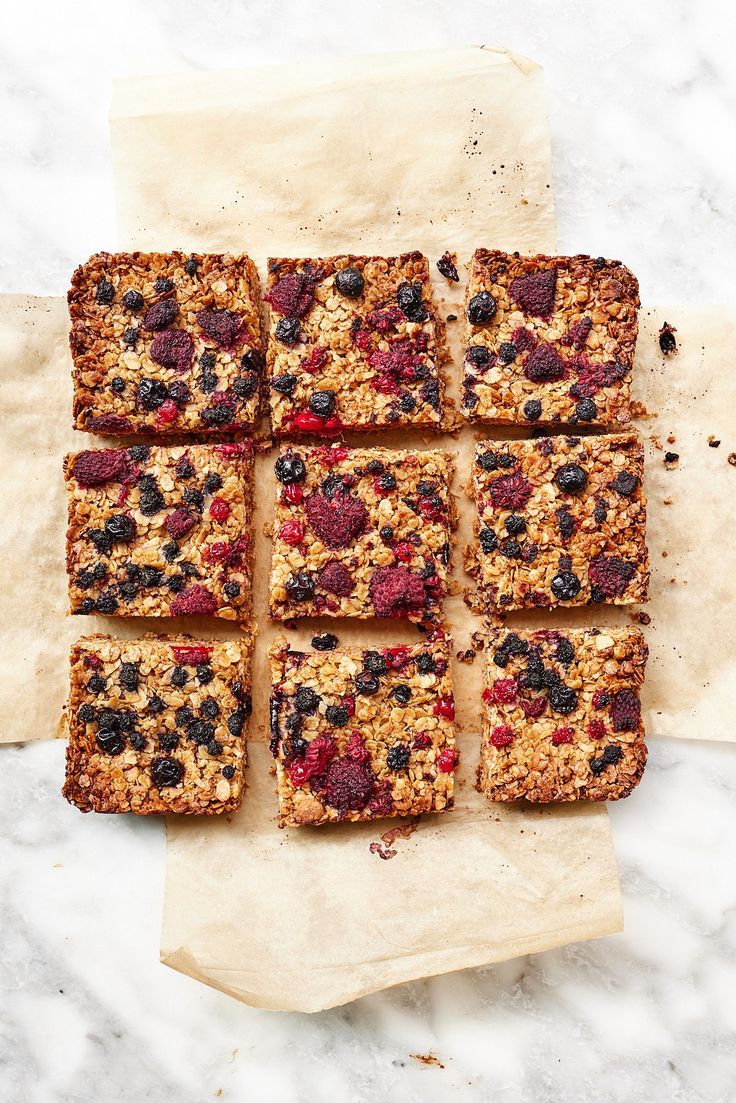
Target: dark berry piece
(350, 282)
(245, 386)
(290, 468)
(447, 268)
(170, 552)
(306, 700)
(179, 676)
(532, 409)
(168, 741)
(133, 300)
(130, 337)
(337, 716)
(231, 590)
(183, 716)
(488, 461)
(510, 548)
(207, 360)
(214, 748)
(166, 772)
(120, 528)
(207, 382)
(110, 742)
(129, 590)
(515, 524)
(425, 663)
(161, 315)
(209, 709)
(101, 541)
(410, 302)
(550, 678)
(228, 772)
(612, 754)
(562, 699)
(398, 757)
(118, 385)
(671, 457)
(300, 587)
(386, 533)
(375, 467)
(252, 361)
(322, 403)
(571, 478)
(220, 414)
(204, 674)
(162, 285)
(224, 327)
(151, 394)
(407, 402)
(375, 662)
(176, 583)
(137, 741)
(200, 732)
(212, 483)
(478, 355)
(565, 585)
(325, 642)
(191, 265)
(86, 713)
(625, 484)
(194, 498)
(481, 309)
(156, 704)
(179, 393)
(284, 384)
(625, 710)
(366, 683)
(667, 339)
(470, 398)
(402, 694)
(586, 410)
(107, 602)
(488, 540)
(564, 652)
(105, 292)
(184, 467)
(288, 331)
(235, 722)
(507, 352)
(129, 676)
(535, 292)
(387, 481)
(544, 365)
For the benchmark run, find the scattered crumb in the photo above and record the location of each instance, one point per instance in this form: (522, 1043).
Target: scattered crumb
(467, 656)
(671, 458)
(671, 439)
(478, 640)
(447, 266)
(452, 317)
(639, 410)
(384, 848)
(639, 617)
(713, 443)
(732, 459)
(427, 1059)
(665, 554)
(667, 340)
(666, 501)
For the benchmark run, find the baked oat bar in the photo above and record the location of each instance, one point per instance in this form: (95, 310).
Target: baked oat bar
(160, 531)
(156, 724)
(561, 714)
(561, 521)
(166, 343)
(362, 734)
(549, 339)
(354, 343)
(361, 533)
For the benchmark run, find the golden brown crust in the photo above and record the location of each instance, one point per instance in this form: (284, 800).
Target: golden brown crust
(111, 341)
(373, 389)
(154, 571)
(115, 754)
(392, 752)
(417, 508)
(596, 534)
(589, 333)
(535, 745)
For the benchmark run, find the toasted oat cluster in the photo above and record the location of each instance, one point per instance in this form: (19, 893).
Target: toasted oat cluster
(561, 521)
(361, 533)
(166, 343)
(354, 343)
(156, 724)
(362, 734)
(160, 531)
(561, 715)
(549, 339)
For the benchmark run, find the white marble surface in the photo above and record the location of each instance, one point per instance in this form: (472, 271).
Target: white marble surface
(642, 113)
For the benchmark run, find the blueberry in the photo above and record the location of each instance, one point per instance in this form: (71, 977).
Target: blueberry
(300, 587)
(564, 652)
(162, 285)
(284, 384)
(129, 676)
(571, 478)
(337, 716)
(245, 386)
(110, 742)
(288, 331)
(139, 452)
(183, 716)
(532, 409)
(325, 642)
(565, 585)
(101, 541)
(488, 539)
(252, 361)
(488, 461)
(137, 741)
(86, 714)
(156, 704)
(478, 355)
(209, 708)
(179, 393)
(191, 265)
(170, 551)
(398, 757)
(402, 694)
(107, 602)
(625, 484)
(515, 524)
(204, 674)
(168, 741)
(425, 663)
(290, 468)
(194, 498)
(386, 533)
(179, 676)
(200, 732)
(586, 410)
(228, 772)
(481, 309)
(366, 683)
(130, 337)
(306, 700)
(231, 590)
(322, 403)
(166, 772)
(118, 385)
(350, 282)
(120, 528)
(411, 304)
(407, 402)
(375, 662)
(562, 699)
(133, 300)
(387, 481)
(151, 394)
(212, 483)
(104, 292)
(507, 352)
(235, 722)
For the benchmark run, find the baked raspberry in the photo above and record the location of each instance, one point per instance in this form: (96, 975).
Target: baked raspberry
(196, 601)
(510, 491)
(316, 360)
(168, 411)
(318, 754)
(562, 735)
(336, 521)
(173, 348)
(193, 655)
(336, 579)
(593, 377)
(293, 295)
(404, 552)
(161, 315)
(382, 801)
(293, 494)
(444, 706)
(292, 533)
(523, 339)
(535, 293)
(356, 749)
(545, 365)
(307, 422)
(348, 785)
(114, 424)
(610, 574)
(219, 509)
(579, 332)
(504, 691)
(179, 523)
(534, 707)
(226, 328)
(384, 319)
(446, 760)
(421, 740)
(502, 736)
(596, 729)
(98, 468)
(396, 591)
(625, 710)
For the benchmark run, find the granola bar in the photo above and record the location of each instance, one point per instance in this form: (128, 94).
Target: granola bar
(156, 724)
(561, 521)
(361, 533)
(166, 343)
(561, 715)
(362, 734)
(549, 339)
(160, 531)
(354, 343)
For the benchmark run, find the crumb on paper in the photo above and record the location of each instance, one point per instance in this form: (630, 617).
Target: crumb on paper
(639, 411)
(665, 554)
(385, 848)
(640, 617)
(671, 459)
(466, 656)
(427, 1059)
(447, 266)
(666, 501)
(671, 438)
(732, 459)
(667, 339)
(451, 318)
(713, 442)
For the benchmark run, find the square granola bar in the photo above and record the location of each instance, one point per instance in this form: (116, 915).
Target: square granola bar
(156, 724)
(549, 339)
(166, 343)
(160, 531)
(354, 343)
(362, 734)
(561, 521)
(561, 715)
(361, 533)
